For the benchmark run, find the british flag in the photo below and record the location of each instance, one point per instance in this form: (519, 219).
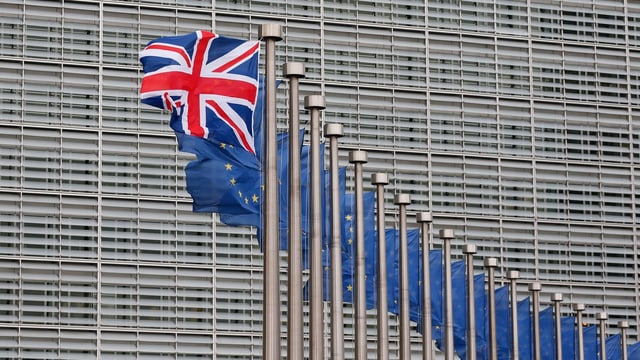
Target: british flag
(208, 81)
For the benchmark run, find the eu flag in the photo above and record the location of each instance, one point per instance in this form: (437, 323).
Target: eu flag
(524, 329)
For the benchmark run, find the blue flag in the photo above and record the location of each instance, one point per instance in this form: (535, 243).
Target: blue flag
(349, 247)
(503, 324)
(613, 347)
(590, 334)
(568, 326)
(524, 329)
(392, 238)
(548, 351)
(633, 351)
(459, 310)
(305, 200)
(482, 350)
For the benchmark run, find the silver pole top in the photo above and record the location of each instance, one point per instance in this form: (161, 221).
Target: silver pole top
(379, 179)
(535, 286)
(424, 216)
(469, 249)
(490, 262)
(402, 199)
(266, 31)
(293, 69)
(578, 307)
(314, 102)
(513, 274)
(602, 316)
(358, 156)
(446, 234)
(333, 129)
(623, 324)
(556, 297)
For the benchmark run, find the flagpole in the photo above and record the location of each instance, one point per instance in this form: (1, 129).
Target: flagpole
(535, 288)
(447, 235)
(513, 276)
(602, 318)
(491, 264)
(315, 103)
(270, 33)
(358, 158)
(556, 299)
(333, 132)
(579, 308)
(425, 219)
(402, 200)
(295, 336)
(380, 180)
(468, 250)
(623, 325)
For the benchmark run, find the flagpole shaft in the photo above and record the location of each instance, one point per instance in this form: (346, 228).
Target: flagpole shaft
(602, 319)
(358, 158)
(579, 308)
(314, 103)
(556, 298)
(447, 235)
(535, 288)
(333, 132)
(490, 264)
(425, 219)
(469, 250)
(402, 200)
(623, 325)
(513, 276)
(295, 335)
(271, 33)
(380, 180)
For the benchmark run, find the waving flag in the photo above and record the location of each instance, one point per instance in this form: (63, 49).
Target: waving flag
(209, 83)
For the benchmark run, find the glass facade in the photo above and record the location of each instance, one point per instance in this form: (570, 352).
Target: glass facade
(517, 123)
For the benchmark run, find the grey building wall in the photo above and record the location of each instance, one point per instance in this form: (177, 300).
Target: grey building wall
(515, 122)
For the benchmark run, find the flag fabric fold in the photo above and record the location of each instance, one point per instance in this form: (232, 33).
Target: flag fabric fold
(524, 329)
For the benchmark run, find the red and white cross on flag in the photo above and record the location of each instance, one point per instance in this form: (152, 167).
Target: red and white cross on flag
(208, 81)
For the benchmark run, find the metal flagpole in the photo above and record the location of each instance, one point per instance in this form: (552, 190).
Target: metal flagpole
(556, 298)
(333, 132)
(295, 339)
(579, 308)
(513, 276)
(535, 288)
(468, 250)
(490, 264)
(380, 180)
(602, 319)
(447, 235)
(271, 33)
(402, 200)
(623, 325)
(315, 103)
(425, 219)
(358, 158)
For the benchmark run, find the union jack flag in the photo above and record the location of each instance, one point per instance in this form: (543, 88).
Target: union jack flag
(208, 81)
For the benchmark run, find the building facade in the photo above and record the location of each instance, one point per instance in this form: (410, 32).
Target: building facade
(517, 123)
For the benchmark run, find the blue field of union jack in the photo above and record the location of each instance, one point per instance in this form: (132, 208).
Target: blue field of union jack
(209, 83)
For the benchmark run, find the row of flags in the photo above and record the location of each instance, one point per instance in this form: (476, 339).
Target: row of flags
(211, 85)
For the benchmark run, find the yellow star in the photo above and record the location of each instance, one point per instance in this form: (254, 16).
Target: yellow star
(350, 229)
(348, 217)
(223, 145)
(228, 166)
(233, 181)
(246, 200)
(326, 268)
(349, 288)
(350, 241)
(262, 187)
(255, 198)
(239, 193)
